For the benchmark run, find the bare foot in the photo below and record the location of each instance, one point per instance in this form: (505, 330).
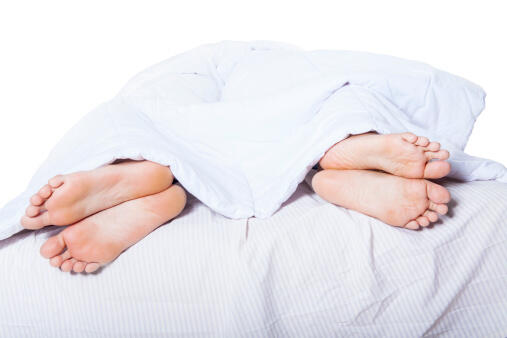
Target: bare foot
(100, 238)
(397, 201)
(67, 199)
(405, 155)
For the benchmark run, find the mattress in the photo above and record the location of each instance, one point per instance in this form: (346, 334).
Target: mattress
(312, 269)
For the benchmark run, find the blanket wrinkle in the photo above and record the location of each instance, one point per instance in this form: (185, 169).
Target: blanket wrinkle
(242, 123)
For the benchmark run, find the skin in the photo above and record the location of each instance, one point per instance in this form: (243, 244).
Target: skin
(67, 199)
(101, 238)
(398, 201)
(113, 207)
(404, 155)
(400, 195)
(108, 209)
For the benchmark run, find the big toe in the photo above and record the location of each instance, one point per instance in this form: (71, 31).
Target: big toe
(437, 193)
(52, 247)
(437, 169)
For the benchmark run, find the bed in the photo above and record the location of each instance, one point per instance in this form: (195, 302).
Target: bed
(312, 269)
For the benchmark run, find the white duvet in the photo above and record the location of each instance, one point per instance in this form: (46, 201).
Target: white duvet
(242, 123)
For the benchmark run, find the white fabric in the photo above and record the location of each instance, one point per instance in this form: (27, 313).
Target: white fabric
(241, 124)
(313, 269)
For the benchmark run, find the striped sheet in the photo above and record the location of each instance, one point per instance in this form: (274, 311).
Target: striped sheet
(312, 269)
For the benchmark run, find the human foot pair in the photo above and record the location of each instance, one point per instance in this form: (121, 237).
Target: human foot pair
(109, 209)
(400, 196)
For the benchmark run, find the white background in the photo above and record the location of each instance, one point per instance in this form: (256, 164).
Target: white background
(59, 59)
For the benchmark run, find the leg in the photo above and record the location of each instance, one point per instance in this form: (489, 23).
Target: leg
(102, 237)
(405, 155)
(67, 199)
(397, 201)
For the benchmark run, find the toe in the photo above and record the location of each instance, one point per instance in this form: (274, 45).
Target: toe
(53, 246)
(431, 215)
(409, 137)
(437, 169)
(36, 200)
(92, 267)
(56, 181)
(439, 208)
(79, 267)
(422, 141)
(433, 146)
(58, 260)
(32, 211)
(423, 221)
(437, 194)
(68, 265)
(412, 225)
(437, 155)
(34, 223)
(45, 191)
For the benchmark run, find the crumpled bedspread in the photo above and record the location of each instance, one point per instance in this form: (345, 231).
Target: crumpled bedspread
(241, 123)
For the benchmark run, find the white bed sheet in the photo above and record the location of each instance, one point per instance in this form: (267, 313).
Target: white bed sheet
(313, 269)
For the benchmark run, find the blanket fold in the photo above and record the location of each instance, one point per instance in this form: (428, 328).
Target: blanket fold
(241, 124)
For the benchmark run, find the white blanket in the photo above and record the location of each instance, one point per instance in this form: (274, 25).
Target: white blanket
(241, 124)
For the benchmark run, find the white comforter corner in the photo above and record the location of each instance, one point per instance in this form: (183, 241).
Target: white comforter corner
(241, 123)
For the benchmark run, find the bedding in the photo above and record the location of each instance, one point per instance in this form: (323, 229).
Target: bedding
(242, 123)
(312, 269)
